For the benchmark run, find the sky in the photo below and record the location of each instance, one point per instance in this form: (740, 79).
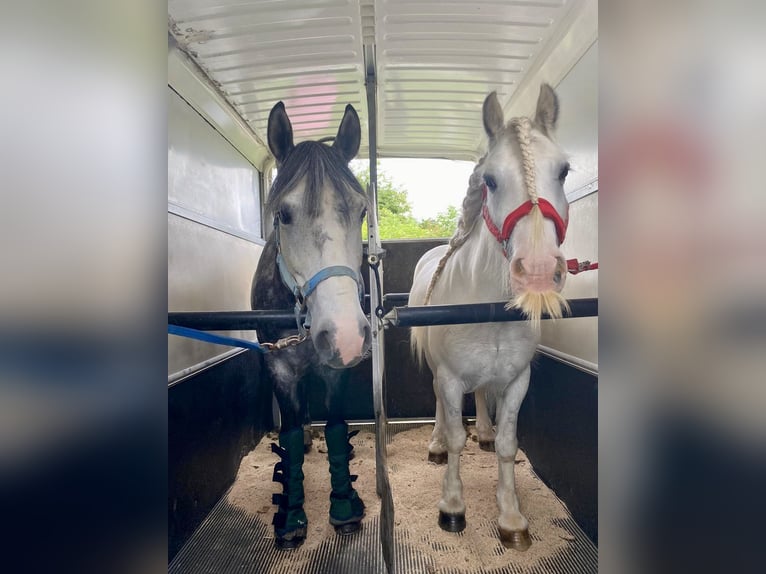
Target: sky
(432, 184)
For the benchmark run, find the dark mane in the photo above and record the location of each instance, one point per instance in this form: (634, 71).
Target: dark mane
(315, 162)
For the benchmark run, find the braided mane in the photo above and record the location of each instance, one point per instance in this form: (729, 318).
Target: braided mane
(472, 203)
(469, 215)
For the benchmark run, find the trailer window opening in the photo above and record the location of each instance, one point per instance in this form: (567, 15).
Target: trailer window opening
(417, 198)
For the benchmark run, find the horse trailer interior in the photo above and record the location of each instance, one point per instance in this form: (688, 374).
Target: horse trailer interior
(417, 73)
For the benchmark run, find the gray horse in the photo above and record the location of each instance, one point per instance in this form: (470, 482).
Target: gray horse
(311, 261)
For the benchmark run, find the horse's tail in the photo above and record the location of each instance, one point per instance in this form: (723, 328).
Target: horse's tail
(418, 342)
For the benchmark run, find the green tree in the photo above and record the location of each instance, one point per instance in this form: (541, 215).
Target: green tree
(390, 198)
(444, 224)
(395, 218)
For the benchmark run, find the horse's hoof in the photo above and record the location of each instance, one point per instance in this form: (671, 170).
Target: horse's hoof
(348, 529)
(437, 457)
(307, 441)
(451, 522)
(488, 445)
(289, 543)
(516, 539)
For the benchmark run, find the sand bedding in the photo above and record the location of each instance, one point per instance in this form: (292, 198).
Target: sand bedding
(416, 487)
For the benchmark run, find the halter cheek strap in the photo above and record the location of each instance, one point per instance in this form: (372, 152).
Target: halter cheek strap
(302, 292)
(504, 234)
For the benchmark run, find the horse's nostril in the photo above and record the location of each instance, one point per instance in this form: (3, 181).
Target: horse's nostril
(557, 276)
(323, 341)
(518, 267)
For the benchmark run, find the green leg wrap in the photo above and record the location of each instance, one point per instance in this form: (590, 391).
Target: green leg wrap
(345, 505)
(290, 522)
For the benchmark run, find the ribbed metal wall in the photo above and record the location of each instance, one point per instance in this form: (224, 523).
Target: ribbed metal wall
(436, 61)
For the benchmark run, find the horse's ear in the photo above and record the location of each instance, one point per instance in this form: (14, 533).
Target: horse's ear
(349, 136)
(280, 133)
(547, 114)
(492, 114)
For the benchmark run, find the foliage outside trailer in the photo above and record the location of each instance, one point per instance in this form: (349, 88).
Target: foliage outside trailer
(395, 218)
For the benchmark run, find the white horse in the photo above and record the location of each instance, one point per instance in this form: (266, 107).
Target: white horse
(513, 220)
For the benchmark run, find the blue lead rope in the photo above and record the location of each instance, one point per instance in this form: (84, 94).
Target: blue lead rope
(215, 339)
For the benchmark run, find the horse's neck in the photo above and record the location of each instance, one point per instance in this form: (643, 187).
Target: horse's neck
(268, 291)
(477, 272)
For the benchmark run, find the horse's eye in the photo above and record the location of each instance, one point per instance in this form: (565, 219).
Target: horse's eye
(563, 173)
(490, 182)
(285, 216)
(364, 214)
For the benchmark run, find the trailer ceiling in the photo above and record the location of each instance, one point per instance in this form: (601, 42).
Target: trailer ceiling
(435, 62)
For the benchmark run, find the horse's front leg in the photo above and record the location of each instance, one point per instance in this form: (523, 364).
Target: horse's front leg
(452, 506)
(437, 448)
(346, 507)
(307, 439)
(290, 521)
(483, 422)
(514, 528)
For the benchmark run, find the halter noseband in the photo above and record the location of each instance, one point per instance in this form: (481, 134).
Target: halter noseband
(504, 235)
(302, 292)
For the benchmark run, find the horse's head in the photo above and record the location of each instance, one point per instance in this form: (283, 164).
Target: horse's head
(525, 208)
(318, 208)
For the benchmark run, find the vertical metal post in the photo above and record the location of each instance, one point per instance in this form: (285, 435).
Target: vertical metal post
(375, 250)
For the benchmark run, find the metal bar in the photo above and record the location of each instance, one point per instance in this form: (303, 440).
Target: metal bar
(397, 316)
(233, 320)
(375, 250)
(475, 313)
(254, 320)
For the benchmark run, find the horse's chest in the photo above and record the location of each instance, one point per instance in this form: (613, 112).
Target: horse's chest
(484, 354)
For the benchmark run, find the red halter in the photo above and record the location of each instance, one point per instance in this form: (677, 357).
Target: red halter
(546, 208)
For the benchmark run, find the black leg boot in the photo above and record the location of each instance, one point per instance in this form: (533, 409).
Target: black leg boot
(346, 508)
(290, 522)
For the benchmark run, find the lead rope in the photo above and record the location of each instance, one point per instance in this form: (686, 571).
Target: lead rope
(190, 333)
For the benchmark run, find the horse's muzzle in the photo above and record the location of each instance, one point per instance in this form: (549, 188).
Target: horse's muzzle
(538, 274)
(341, 346)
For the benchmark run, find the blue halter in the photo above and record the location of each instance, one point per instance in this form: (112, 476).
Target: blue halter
(302, 292)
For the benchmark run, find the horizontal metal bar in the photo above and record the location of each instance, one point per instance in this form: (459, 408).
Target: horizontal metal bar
(234, 320)
(475, 313)
(398, 316)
